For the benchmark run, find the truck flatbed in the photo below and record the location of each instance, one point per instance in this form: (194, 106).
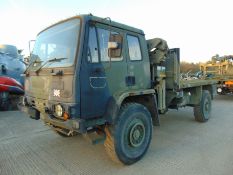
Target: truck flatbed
(196, 82)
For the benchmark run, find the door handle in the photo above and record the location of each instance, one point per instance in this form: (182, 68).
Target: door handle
(130, 80)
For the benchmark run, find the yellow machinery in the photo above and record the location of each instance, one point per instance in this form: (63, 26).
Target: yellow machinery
(220, 69)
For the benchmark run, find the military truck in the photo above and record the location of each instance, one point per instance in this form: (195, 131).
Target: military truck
(93, 75)
(221, 70)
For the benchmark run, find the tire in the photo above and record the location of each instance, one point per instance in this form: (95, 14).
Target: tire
(128, 140)
(203, 109)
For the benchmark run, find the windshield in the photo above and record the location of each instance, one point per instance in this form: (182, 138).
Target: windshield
(59, 41)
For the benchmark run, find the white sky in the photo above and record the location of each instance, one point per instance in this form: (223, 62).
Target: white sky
(201, 28)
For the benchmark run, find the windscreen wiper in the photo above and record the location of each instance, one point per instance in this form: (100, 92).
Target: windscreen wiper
(35, 61)
(50, 61)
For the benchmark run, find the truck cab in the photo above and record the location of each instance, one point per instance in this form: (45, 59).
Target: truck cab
(75, 75)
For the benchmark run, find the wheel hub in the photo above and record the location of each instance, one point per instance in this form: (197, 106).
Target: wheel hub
(136, 134)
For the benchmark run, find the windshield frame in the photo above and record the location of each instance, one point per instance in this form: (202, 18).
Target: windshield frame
(36, 63)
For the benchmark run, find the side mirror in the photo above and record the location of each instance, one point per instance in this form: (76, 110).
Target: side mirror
(115, 46)
(112, 45)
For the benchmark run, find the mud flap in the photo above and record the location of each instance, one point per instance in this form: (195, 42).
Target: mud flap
(111, 111)
(155, 112)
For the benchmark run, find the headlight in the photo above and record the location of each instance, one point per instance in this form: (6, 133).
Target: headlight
(59, 110)
(219, 90)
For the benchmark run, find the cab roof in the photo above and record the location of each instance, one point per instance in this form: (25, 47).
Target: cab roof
(89, 17)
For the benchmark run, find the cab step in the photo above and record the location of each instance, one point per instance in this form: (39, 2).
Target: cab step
(95, 136)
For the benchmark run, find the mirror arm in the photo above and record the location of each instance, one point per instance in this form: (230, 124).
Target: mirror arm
(29, 45)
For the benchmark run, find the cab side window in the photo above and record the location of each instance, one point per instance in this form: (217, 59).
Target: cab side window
(92, 55)
(98, 41)
(104, 36)
(134, 48)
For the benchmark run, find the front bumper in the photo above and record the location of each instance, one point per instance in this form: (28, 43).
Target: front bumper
(77, 125)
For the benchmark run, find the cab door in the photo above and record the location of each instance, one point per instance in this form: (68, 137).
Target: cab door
(138, 74)
(100, 76)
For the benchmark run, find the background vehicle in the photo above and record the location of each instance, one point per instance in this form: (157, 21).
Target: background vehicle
(11, 83)
(89, 74)
(220, 69)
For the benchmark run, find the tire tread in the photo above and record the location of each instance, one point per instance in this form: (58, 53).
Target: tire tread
(110, 145)
(198, 113)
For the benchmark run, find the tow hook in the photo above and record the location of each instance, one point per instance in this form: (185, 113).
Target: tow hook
(66, 132)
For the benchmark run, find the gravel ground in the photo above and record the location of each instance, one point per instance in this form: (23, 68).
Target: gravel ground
(179, 146)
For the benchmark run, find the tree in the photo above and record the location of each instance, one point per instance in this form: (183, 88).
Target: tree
(189, 67)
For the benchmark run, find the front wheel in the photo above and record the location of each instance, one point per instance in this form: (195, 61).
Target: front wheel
(203, 109)
(128, 140)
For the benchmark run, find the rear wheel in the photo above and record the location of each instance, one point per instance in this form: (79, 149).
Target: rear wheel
(203, 109)
(128, 140)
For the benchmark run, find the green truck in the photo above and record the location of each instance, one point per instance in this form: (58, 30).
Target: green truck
(93, 75)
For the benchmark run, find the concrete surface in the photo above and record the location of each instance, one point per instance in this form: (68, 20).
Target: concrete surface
(179, 146)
